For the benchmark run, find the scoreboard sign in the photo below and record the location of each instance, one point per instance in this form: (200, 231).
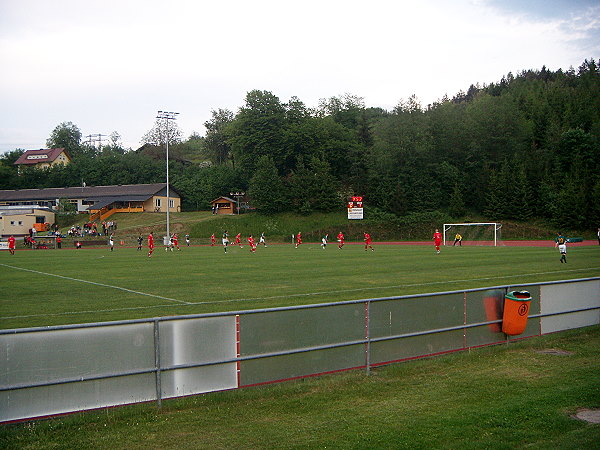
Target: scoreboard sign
(355, 208)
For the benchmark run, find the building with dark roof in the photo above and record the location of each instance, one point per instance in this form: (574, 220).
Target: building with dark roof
(99, 201)
(18, 220)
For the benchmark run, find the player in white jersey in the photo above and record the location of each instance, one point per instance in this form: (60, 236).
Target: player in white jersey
(225, 241)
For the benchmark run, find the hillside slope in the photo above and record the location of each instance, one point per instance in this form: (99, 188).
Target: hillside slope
(280, 228)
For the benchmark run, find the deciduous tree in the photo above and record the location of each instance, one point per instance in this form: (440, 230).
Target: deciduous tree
(68, 136)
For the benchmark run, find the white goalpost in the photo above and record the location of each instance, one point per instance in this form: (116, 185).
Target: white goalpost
(488, 230)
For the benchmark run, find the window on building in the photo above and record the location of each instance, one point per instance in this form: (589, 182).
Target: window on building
(158, 202)
(171, 203)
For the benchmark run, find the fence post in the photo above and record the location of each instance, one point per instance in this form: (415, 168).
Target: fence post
(368, 338)
(157, 364)
(464, 319)
(238, 352)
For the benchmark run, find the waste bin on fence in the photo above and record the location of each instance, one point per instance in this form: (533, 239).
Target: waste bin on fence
(516, 312)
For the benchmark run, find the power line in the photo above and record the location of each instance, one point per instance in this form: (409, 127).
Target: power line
(96, 138)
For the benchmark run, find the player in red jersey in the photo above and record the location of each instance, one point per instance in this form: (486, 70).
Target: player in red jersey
(252, 244)
(150, 244)
(340, 239)
(213, 240)
(368, 242)
(176, 241)
(437, 240)
(11, 245)
(298, 239)
(238, 240)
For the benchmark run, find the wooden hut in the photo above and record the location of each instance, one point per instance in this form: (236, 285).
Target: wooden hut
(224, 205)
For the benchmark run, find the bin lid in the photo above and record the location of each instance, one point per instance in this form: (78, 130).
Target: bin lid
(521, 296)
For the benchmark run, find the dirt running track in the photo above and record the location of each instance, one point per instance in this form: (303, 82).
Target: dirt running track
(500, 243)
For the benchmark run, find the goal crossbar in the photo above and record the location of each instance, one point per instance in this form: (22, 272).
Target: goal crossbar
(496, 225)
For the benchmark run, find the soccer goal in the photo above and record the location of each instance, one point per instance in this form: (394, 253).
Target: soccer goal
(488, 233)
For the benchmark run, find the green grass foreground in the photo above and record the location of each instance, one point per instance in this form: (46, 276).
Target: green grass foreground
(55, 287)
(521, 395)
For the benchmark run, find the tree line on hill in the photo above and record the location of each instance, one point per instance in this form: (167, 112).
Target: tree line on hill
(526, 146)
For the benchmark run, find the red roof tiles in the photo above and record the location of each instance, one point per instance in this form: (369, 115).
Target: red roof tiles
(31, 157)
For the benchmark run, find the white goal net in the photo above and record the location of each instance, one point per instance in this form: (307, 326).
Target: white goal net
(473, 233)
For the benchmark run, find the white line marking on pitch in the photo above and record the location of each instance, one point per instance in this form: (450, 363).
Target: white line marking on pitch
(95, 311)
(96, 284)
(307, 294)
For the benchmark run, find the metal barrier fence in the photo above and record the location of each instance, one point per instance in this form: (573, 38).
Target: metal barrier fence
(62, 369)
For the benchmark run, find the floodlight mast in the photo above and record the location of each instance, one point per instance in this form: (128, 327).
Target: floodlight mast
(166, 116)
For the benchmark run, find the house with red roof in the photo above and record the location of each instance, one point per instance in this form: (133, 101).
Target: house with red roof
(42, 158)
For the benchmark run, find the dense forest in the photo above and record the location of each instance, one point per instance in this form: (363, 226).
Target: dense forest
(527, 146)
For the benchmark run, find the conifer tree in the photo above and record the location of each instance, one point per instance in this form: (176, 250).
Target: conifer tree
(266, 188)
(493, 207)
(456, 204)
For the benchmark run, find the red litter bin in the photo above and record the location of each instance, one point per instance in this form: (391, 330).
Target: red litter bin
(516, 312)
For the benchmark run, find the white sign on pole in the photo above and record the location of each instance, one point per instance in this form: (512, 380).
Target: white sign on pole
(355, 213)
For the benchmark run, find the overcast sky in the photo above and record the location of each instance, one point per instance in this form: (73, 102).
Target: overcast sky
(111, 65)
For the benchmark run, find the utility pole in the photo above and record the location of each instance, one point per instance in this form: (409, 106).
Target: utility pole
(91, 138)
(238, 196)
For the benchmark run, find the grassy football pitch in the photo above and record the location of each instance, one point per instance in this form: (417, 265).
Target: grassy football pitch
(53, 287)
